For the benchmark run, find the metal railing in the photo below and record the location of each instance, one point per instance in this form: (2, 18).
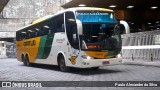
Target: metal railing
(141, 46)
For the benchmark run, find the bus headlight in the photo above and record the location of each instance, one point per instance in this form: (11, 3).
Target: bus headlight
(87, 57)
(119, 56)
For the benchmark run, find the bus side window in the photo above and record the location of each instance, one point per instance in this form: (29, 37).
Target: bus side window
(59, 21)
(49, 31)
(52, 26)
(37, 31)
(24, 36)
(27, 36)
(36, 34)
(33, 34)
(41, 31)
(46, 29)
(49, 27)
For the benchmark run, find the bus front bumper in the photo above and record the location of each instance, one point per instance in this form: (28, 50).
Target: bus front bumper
(87, 63)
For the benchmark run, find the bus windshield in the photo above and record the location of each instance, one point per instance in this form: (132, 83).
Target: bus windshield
(95, 16)
(100, 31)
(100, 37)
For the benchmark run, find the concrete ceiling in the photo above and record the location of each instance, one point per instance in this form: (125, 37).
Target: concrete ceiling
(141, 11)
(140, 15)
(121, 4)
(3, 4)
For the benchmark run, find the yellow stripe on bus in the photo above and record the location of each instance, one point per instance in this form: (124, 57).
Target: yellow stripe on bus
(41, 19)
(30, 47)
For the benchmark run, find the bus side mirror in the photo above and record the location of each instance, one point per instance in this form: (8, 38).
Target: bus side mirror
(126, 26)
(79, 27)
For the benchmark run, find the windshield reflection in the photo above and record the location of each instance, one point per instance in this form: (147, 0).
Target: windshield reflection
(100, 37)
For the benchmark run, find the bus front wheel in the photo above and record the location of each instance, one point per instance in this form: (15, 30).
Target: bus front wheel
(62, 65)
(24, 61)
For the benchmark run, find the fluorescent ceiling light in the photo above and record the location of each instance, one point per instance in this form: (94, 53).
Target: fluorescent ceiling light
(149, 23)
(37, 29)
(130, 6)
(46, 26)
(81, 5)
(154, 7)
(71, 19)
(113, 6)
(23, 32)
(30, 30)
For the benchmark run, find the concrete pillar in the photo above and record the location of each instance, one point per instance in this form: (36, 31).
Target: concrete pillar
(2, 49)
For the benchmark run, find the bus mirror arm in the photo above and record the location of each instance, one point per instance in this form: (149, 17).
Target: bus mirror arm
(126, 26)
(79, 27)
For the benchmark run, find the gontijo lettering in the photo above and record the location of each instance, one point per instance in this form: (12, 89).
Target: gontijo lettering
(30, 43)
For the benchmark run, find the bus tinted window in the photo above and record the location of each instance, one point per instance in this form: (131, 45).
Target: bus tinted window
(32, 34)
(51, 24)
(59, 22)
(71, 29)
(55, 24)
(37, 31)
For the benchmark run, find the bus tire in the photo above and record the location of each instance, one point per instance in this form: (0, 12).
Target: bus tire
(27, 61)
(95, 68)
(24, 60)
(62, 64)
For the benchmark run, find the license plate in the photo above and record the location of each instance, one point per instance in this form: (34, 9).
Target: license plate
(105, 62)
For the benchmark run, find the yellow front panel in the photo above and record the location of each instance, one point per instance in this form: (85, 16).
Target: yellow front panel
(97, 54)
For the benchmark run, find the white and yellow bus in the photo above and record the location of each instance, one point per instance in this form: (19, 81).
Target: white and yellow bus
(83, 37)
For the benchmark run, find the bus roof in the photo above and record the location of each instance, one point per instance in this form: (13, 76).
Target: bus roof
(38, 21)
(42, 19)
(70, 9)
(88, 8)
